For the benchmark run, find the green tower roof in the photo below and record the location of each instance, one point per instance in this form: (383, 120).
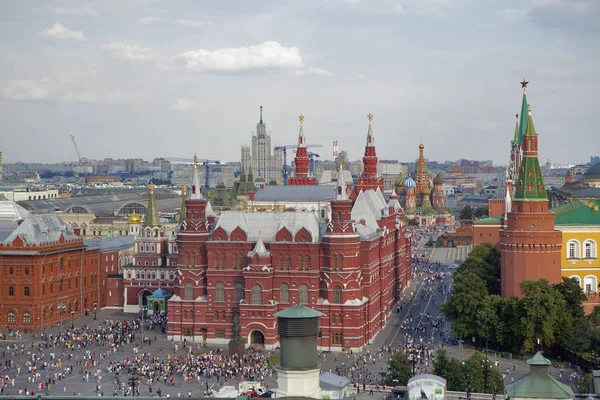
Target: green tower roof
(151, 213)
(523, 119)
(399, 181)
(530, 184)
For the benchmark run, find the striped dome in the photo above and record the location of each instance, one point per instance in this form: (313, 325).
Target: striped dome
(410, 183)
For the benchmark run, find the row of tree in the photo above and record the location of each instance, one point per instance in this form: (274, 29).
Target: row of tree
(551, 313)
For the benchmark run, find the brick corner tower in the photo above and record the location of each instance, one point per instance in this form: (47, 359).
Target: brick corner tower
(530, 247)
(301, 161)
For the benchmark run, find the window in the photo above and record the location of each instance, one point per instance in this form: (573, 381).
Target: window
(220, 292)
(188, 332)
(256, 295)
(217, 260)
(300, 261)
(185, 314)
(284, 294)
(589, 249)
(573, 249)
(341, 262)
(224, 315)
(288, 262)
(26, 270)
(235, 261)
(281, 262)
(239, 292)
(336, 338)
(189, 291)
(11, 271)
(26, 318)
(303, 294)
(26, 291)
(11, 290)
(61, 264)
(307, 262)
(337, 294)
(11, 317)
(223, 260)
(43, 290)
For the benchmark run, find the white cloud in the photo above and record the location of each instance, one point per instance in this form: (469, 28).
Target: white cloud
(130, 53)
(76, 12)
(182, 104)
(483, 125)
(25, 89)
(192, 23)
(398, 9)
(58, 31)
(150, 20)
(95, 97)
(352, 2)
(318, 71)
(267, 55)
(513, 14)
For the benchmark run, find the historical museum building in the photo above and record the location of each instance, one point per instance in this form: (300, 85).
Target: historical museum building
(48, 274)
(250, 265)
(259, 158)
(529, 244)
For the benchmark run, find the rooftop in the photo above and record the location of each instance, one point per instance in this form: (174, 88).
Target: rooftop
(295, 193)
(298, 311)
(578, 212)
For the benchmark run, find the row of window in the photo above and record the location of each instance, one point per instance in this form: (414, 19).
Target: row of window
(284, 293)
(11, 317)
(574, 249)
(59, 286)
(239, 261)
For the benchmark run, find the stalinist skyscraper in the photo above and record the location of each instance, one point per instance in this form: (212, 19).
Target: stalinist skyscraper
(258, 158)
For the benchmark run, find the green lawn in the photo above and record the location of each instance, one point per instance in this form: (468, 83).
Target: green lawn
(275, 359)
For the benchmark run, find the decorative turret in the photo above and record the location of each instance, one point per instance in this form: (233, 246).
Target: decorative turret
(196, 185)
(421, 174)
(399, 184)
(342, 193)
(261, 127)
(301, 161)
(181, 216)
(569, 176)
(369, 178)
(410, 204)
(151, 212)
(438, 194)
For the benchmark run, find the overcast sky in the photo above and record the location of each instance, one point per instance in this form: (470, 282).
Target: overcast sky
(143, 78)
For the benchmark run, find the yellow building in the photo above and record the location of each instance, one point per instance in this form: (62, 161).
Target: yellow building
(579, 221)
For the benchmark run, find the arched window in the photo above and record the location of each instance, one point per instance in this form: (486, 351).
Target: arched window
(341, 262)
(589, 249)
(26, 270)
(217, 260)
(11, 271)
(61, 264)
(337, 294)
(185, 314)
(26, 291)
(223, 259)
(189, 291)
(224, 315)
(11, 317)
(281, 262)
(11, 290)
(288, 262)
(573, 249)
(303, 294)
(300, 261)
(239, 292)
(284, 294)
(307, 262)
(220, 292)
(235, 260)
(256, 295)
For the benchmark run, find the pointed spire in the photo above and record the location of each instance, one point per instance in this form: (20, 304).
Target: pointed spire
(516, 138)
(341, 183)
(260, 248)
(151, 212)
(301, 137)
(182, 211)
(370, 136)
(529, 129)
(261, 120)
(196, 184)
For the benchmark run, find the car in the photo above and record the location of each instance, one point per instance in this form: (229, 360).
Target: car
(453, 266)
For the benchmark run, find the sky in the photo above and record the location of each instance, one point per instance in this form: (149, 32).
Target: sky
(151, 78)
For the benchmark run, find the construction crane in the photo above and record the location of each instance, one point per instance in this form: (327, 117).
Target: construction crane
(80, 161)
(284, 172)
(207, 163)
(311, 165)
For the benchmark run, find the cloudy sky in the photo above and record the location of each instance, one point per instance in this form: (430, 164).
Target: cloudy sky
(150, 78)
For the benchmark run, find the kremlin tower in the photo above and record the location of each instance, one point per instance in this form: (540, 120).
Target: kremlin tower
(369, 178)
(301, 161)
(530, 247)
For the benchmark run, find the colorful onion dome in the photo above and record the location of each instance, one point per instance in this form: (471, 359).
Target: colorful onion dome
(399, 181)
(410, 183)
(438, 180)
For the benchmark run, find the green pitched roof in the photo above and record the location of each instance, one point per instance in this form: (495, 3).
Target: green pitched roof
(539, 359)
(151, 212)
(298, 311)
(523, 119)
(490, 220)
(577, 212)
(530, 184)
(535, 387)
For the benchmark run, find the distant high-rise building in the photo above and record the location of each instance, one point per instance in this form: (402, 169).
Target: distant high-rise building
(259, 159)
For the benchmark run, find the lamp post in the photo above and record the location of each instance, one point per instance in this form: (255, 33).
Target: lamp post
(364, 375)
(72, 319)
(143, 310)
(95, 310)
(61, 309)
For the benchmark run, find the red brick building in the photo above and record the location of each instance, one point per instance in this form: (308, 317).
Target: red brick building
(301, 161)
(351, 268)
(48, 274)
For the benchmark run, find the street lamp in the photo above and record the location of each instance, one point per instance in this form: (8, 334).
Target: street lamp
(95, 310)
(61, 309)
(143, 309)
(72, 319)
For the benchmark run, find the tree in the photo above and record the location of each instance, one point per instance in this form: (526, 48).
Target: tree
(399, 370)
(595, 316)
(484, 260)
(466, 212)
(544, 313)
(511, 312)
(468, 296)
(488, 320)
(450, 369)
(573, 296)
(480, 212)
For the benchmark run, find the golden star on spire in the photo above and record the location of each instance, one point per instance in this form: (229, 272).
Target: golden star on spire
(370, 117)
(195, 161)
(301, 118)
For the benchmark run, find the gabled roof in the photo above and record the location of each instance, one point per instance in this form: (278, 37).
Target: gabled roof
(370, 206)
(41, 229)
(269, 223)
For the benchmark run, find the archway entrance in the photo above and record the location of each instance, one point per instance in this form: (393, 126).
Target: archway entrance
(143, 298)
(257, 338)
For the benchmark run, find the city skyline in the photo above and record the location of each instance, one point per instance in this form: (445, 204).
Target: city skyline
(144, 79)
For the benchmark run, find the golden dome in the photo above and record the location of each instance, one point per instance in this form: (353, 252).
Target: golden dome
(426, 191)
(134, 219)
